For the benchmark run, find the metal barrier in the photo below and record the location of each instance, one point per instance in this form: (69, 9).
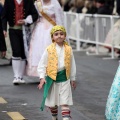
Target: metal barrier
(96, 29)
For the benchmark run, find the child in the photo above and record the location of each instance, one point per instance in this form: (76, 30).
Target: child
(58, 64)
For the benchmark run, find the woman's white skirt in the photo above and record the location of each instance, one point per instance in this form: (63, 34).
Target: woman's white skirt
(59, 94)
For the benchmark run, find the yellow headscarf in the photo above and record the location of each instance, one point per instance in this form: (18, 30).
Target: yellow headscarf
(57, 28)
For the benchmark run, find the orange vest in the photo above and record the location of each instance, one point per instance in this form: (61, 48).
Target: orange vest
(52, 66)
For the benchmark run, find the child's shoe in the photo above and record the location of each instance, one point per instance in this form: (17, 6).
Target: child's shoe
(54, 118)
(66, 119)
(16, 81)
(21, 81)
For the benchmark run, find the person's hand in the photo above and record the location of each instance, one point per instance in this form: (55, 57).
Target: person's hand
(21, 22)
(3, 53)
(5, 33)
(73, 84)
(42, 82)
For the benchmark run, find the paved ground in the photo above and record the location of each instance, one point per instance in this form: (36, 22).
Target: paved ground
(94, 78)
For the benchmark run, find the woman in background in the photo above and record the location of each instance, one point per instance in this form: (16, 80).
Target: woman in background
(40, 38)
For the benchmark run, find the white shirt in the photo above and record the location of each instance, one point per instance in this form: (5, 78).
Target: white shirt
(19, 1)
(60, 52)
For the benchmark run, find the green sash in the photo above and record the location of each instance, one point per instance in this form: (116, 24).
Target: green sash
(61, 77)
(19, 27)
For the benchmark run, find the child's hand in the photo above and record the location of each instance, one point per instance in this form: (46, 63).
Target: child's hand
(42, 81)
(73, 84)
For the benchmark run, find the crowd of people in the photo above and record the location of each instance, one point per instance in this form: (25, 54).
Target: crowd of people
(89, 6)
(42, 50)
(101, 7)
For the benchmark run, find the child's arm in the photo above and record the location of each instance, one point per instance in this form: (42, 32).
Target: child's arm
(42, 69)
(42, 82)
(73, 72)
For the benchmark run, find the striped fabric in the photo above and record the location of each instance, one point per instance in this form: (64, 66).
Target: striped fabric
(54, 112)
(65, 113)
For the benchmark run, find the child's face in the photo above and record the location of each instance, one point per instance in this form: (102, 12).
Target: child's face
(59, 37)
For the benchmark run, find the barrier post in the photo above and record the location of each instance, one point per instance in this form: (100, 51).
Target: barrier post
(97, 34)
(112, 46)
(77, 32)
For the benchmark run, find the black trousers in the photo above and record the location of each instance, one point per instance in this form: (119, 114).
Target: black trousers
(17, 44)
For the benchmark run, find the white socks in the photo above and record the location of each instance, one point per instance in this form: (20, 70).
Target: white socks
(65, 111)
(54, 112)
(66, 119)
(16, 64)
(54, 118)
(22, 68)
(18, 67)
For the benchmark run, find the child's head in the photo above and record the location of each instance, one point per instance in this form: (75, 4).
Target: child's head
(58, 34)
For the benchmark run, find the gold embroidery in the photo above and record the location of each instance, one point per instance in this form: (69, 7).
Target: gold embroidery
(47, 17)
(52, 66)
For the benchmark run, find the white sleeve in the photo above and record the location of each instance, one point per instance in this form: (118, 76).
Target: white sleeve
(28, 20)
(42, 65)
(73, 68)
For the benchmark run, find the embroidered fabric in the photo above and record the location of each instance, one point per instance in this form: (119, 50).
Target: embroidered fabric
(26, 38)
(112, 111)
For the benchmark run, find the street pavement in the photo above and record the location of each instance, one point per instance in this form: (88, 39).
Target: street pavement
(94, 78)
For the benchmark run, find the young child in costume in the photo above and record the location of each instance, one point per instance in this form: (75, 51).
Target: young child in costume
(57, 71)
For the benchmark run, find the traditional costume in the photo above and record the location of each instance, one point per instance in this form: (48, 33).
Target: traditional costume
(49, 15)
(13, 11)
(112, 111)
(57, 66)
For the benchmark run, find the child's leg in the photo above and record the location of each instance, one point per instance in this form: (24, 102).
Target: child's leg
(54, 112)
(65, 111)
